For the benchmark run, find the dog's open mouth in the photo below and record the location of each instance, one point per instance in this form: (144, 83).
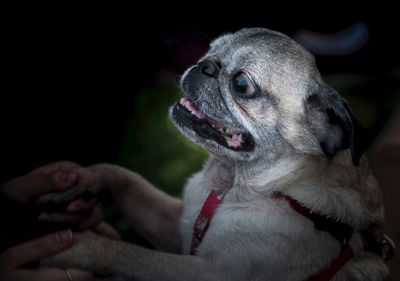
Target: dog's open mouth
(189, 115)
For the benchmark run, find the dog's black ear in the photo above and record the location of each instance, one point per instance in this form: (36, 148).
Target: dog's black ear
(334, 125)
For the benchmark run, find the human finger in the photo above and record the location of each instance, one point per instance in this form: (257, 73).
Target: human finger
(49, 274)
(80, 205)
(105, 229)
(63, 217)
(94, 219)
(56, 166)
(32, 185)
(35, 249)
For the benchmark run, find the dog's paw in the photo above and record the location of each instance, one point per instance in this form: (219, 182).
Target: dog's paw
(83, 253)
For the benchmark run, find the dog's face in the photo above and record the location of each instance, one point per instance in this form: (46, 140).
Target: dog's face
(257, 93)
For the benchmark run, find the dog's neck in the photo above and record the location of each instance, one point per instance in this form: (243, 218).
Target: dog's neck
(259, 173)
(304, 179)
(270, 168)
(284, 165)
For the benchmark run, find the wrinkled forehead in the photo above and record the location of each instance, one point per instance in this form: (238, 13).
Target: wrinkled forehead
(252, 37)
(260, 47)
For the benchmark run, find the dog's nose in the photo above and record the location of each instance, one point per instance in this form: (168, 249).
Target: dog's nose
(210, 68)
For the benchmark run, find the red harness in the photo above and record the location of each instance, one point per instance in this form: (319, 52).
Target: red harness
(340, 231)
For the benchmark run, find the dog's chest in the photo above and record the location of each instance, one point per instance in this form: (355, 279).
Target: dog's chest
(231, 212)
(196, 192)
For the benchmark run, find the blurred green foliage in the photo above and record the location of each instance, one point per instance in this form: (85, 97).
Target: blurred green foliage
(154, 148)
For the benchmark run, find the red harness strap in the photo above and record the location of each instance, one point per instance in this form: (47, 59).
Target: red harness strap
(340, 231)
(327, 274)
(203, 220)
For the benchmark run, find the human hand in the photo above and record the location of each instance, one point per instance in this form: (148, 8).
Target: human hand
(14, 258)
(55, 177)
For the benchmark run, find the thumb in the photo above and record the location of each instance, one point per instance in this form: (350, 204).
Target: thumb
(41, 183)
(57, 176)
(34, 184)
(33, 250)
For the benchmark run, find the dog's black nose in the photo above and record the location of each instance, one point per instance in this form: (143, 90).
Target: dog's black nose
(210, 68)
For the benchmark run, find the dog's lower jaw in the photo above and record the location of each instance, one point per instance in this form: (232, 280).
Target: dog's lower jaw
(211, 145)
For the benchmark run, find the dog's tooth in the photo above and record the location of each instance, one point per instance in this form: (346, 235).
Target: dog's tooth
(229, 131)
(183, 101)
(240, 137)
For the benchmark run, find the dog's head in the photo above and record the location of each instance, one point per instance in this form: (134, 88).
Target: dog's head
(257, 93)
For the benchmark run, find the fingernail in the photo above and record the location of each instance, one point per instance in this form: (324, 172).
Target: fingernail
(70, 178)
(64, 237)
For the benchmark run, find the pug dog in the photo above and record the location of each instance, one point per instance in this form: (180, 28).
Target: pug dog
(286, 193)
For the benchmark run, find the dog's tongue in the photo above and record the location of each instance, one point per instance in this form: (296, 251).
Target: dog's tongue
(235, 140)
(187, 103)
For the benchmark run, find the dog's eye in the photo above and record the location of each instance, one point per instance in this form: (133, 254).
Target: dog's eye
(243, 85)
